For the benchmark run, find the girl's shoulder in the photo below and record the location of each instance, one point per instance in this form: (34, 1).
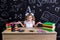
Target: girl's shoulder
(33, 21)
(25, 21)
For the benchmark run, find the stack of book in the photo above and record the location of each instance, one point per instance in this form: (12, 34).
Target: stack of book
(49, 26)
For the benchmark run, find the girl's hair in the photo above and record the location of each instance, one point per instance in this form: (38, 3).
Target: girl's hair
(33, 18)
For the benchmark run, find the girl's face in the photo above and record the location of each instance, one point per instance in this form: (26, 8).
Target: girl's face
(29, 18)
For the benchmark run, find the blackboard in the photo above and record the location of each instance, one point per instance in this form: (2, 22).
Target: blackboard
(49, 17)
(12, 10)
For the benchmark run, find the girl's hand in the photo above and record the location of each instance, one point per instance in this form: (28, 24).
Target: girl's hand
(19, 22)
(39, 23)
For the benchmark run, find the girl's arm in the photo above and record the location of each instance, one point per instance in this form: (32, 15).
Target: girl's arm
(34, 24)
(37, 24)
(21, 23)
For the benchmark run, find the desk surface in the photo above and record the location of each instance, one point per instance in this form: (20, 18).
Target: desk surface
(26, 35)
(27, 31)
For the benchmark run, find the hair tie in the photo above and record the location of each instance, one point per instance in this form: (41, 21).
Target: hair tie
(32, 14)
(26, 14)
(29, 13)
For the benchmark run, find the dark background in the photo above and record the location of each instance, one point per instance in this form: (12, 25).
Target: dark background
(44, 10)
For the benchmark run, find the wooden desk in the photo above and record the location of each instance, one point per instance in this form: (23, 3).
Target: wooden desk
(8, 35)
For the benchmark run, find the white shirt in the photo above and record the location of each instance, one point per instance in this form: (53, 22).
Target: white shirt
(29, 24)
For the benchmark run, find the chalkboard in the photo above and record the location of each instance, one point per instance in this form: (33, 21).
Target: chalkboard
(47, 16)
(16, 9)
